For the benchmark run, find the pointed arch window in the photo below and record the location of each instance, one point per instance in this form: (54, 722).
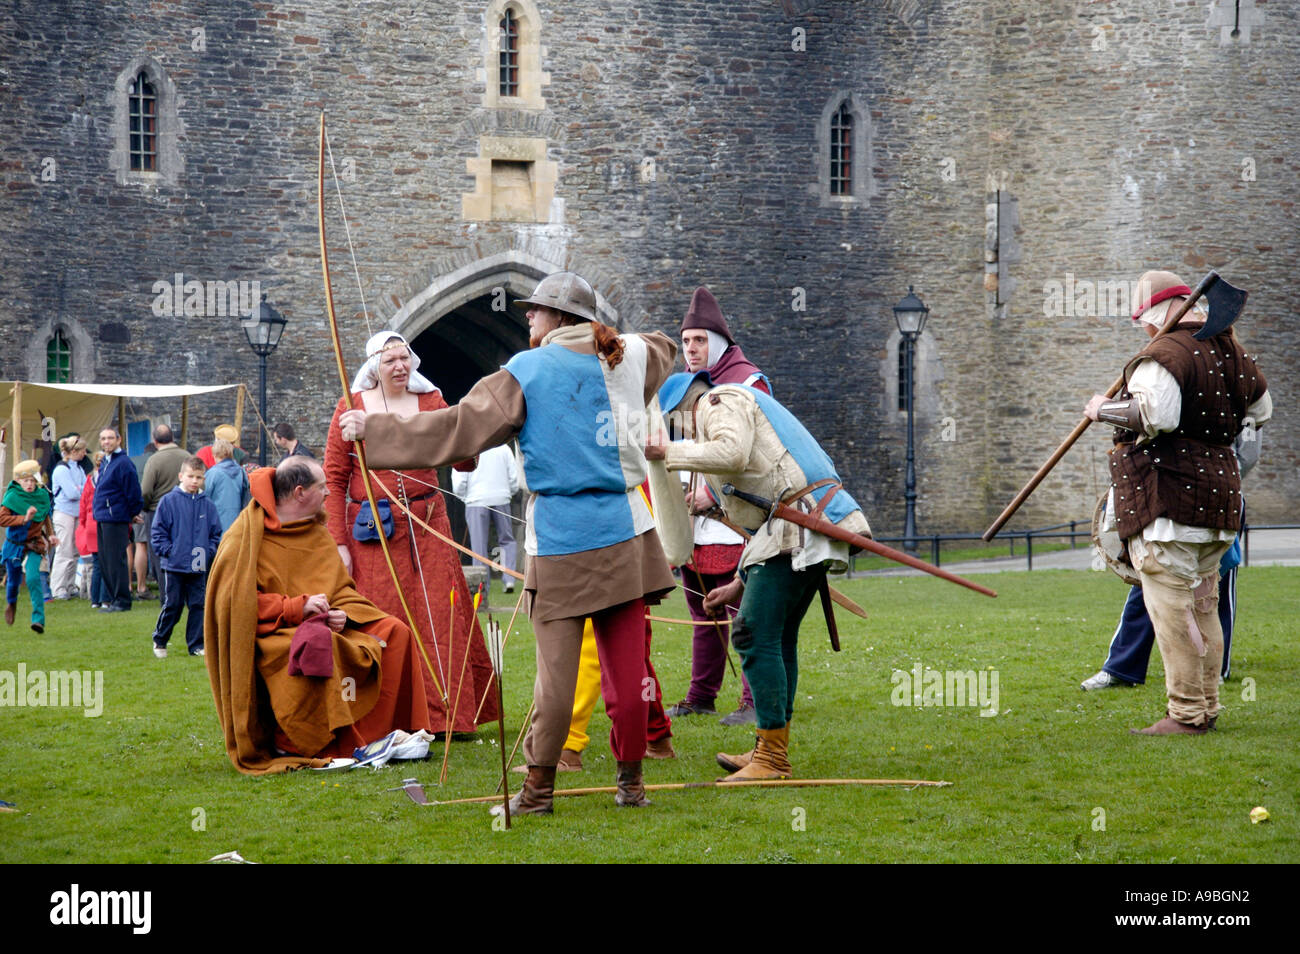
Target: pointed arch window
(58, 359)
(142, 103)
(508, 55)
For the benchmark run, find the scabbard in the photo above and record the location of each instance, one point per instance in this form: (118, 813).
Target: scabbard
(824, 589)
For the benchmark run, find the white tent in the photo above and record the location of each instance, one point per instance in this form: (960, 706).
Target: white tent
(29, 410)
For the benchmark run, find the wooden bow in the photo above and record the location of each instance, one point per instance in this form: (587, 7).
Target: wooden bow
(347, 400)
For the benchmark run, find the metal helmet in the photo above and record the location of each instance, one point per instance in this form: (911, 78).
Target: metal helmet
(564, 291)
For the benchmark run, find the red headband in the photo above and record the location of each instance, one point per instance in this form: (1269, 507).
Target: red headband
(1177, 291)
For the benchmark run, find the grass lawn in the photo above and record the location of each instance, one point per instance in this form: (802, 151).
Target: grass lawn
(1054, 776)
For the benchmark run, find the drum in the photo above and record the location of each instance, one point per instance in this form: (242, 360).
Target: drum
(1109, 547)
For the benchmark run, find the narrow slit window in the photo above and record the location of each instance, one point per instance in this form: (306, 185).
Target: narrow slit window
(842, 151)
(143, 101)
(509, 54)
(58, 360)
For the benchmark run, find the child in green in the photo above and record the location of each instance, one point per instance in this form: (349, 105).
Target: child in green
(25, 513)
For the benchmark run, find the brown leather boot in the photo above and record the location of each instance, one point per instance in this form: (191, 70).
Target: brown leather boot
(769, 759)
(536, 797)
(734, 763)
(9, 612)
(631, 789)
(1170, 726)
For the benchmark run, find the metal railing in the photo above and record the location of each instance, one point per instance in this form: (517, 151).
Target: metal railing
(1251, 528)
(1069, 531)
(1058, 530)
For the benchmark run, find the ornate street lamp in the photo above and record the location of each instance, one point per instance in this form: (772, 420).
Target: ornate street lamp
(910, 314)
(263, 337)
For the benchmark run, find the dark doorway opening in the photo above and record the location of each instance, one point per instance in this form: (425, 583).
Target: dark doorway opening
(456, 351)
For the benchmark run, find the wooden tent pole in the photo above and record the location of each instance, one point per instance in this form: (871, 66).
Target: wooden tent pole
(185, 421)
(16, 432)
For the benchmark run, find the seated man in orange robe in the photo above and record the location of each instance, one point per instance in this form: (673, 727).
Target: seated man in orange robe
(278, 566)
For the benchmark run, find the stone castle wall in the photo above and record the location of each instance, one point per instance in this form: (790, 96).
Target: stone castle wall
(684, 135)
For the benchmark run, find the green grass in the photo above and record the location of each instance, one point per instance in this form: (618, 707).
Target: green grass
(149, 781)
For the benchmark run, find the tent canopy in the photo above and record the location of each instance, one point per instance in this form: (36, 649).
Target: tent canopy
(51, 410)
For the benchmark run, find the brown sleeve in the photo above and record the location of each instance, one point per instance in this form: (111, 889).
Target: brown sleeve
(492, 413)
(10, 519)
(661, 352)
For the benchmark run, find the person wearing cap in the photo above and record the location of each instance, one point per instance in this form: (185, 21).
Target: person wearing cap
(707, 345)
(429, 569)
(223, 432)
(1175, 495)
(116, 506)
(29, 533)
(1129, 652)
(746, 438)
(576, 402)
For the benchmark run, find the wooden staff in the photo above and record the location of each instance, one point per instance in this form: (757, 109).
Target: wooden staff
(750, 783)
(1229, 302)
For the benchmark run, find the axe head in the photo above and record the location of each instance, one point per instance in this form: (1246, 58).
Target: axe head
(416, 791)
(1225, 304)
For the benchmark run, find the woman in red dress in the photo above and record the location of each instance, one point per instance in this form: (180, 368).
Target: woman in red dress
(428, 568)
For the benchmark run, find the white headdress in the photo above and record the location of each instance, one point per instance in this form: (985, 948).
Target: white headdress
(368, 375)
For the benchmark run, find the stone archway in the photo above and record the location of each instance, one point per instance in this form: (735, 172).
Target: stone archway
(464, 325)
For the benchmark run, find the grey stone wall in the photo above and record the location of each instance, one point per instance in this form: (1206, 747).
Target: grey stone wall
(1122, 130)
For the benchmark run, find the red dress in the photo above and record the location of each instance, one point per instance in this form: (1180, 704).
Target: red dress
(429, 571)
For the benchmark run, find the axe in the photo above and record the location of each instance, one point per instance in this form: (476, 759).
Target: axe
(1226, 303)
(827, 529)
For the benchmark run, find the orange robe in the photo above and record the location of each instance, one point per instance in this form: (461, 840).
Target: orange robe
(259, 582)
(428, 572)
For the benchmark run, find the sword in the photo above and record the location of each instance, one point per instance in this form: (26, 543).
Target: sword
(828, 529)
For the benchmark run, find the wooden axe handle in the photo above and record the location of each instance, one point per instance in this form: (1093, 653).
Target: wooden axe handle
(1082, 426)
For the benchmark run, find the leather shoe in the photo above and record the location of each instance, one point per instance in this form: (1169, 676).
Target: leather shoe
(1168, 726)
(37, 628)
(570, 761)
(744, 715)
(684, 708)
(9, 612)
(660, 749)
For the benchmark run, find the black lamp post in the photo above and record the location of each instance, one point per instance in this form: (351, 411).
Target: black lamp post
(910, 314)
(263, 337)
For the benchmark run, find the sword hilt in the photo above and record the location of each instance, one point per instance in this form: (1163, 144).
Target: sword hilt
(762, 503)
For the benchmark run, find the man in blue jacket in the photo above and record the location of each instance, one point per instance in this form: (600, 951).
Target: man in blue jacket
(185, 534)
(117, 504)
